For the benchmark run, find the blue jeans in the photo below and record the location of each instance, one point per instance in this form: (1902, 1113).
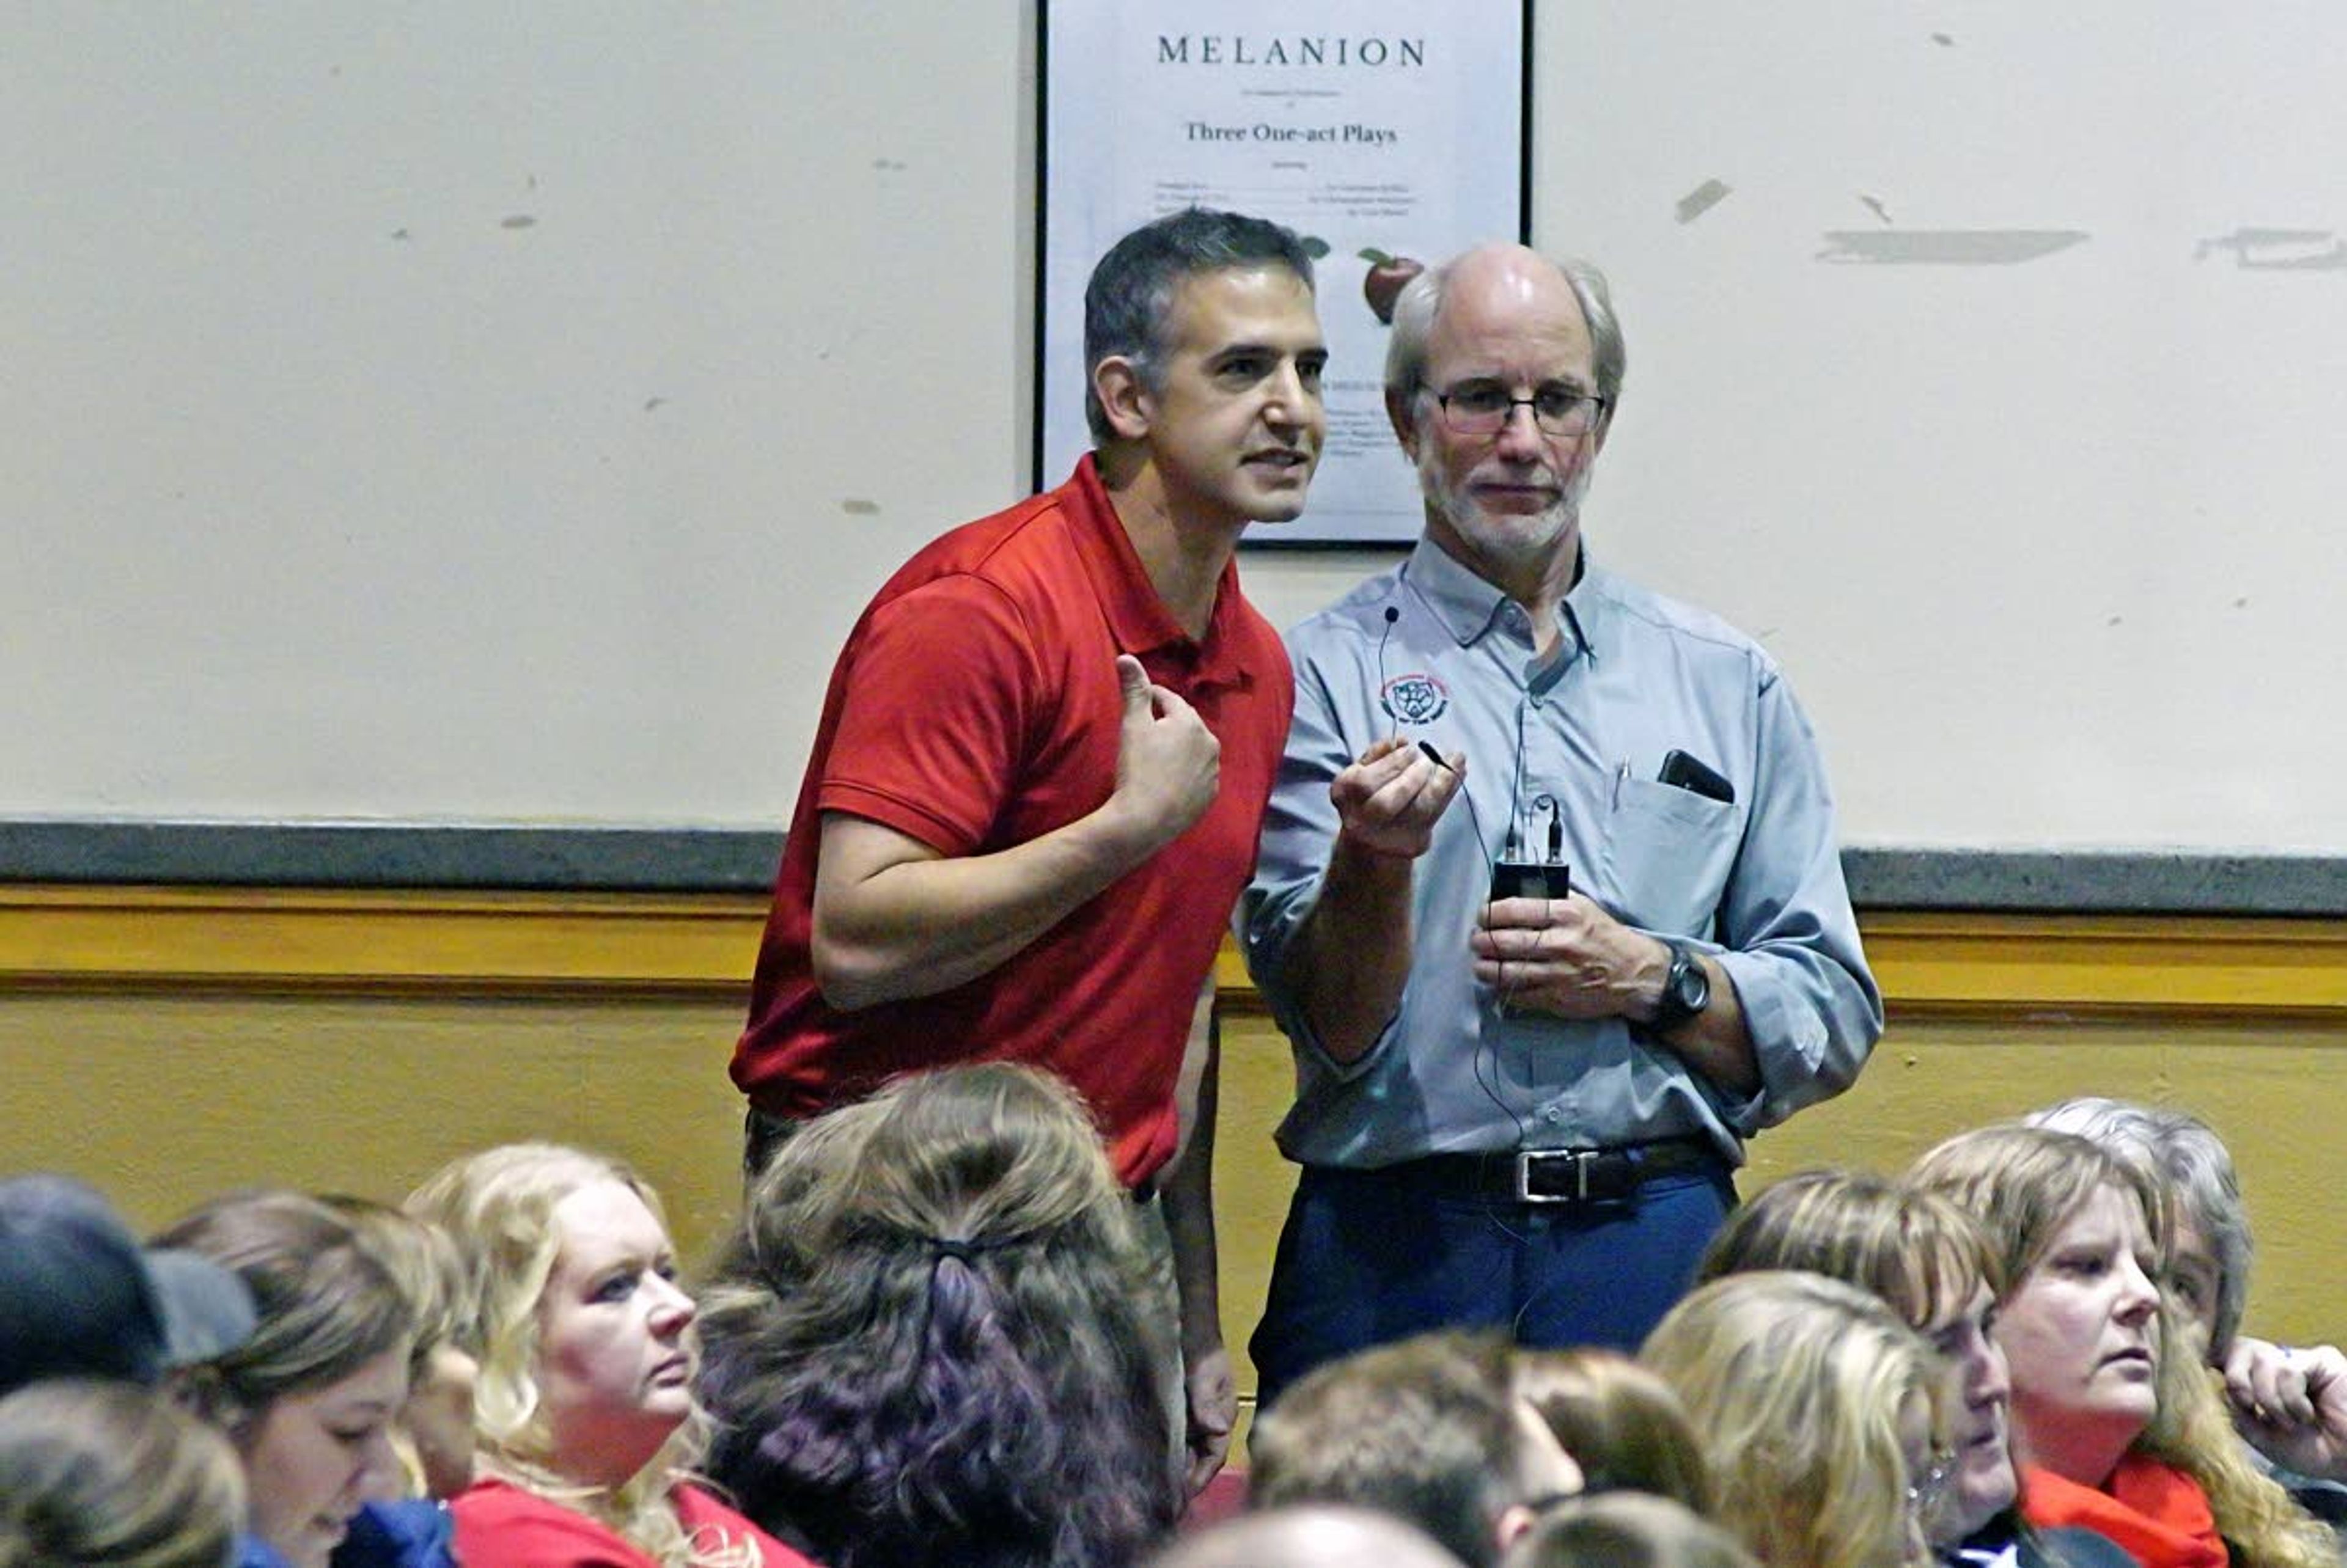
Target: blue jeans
(1371, 1256)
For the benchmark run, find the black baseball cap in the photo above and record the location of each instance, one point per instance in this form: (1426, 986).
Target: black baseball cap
(80, 1297)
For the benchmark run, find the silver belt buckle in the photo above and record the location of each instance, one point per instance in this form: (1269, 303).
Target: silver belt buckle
(1529, 1160)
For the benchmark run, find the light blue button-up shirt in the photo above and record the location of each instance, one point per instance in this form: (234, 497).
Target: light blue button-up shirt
(1758, 883)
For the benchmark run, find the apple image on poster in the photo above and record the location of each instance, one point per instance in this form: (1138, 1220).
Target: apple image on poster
(1385, 280)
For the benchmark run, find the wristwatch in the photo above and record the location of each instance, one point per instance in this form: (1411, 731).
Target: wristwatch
(1686, 989)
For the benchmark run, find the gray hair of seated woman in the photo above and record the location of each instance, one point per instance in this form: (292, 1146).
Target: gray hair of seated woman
(2199, 1170)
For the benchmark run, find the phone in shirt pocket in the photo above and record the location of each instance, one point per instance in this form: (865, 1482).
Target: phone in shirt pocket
(1670, 844)
(1681, 771)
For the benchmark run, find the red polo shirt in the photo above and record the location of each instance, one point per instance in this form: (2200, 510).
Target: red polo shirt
(975, 707)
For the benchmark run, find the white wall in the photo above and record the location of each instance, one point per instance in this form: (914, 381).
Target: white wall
(335, 489)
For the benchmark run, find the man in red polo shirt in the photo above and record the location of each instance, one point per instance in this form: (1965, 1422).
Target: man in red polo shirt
(1046, 750)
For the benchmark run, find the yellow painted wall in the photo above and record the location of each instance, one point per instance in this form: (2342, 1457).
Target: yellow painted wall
(164, 1099)
(2272, 1089)
(168, 1045)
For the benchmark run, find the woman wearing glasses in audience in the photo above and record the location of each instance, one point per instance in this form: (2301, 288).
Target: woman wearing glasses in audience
(1824, 1414)
(584, 1408)
(2115, 1425)
(1932, 1266)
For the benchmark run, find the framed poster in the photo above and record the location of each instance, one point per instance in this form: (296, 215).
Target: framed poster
(1380, 130)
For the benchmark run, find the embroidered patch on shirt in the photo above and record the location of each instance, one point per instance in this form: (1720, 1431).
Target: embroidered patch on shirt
(1415, 699)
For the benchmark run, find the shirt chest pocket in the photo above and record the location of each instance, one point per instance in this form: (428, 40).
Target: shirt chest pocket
(1668, 852)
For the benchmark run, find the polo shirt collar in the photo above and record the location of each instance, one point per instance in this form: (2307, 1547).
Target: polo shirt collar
(1137, 617)
(1469, 606)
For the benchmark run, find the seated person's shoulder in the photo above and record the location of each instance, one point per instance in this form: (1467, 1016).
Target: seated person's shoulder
(701, 1509)
(411, 1533)
(498, 1525)
(2076, 1546)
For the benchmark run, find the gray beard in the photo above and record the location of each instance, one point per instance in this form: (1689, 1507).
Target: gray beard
(1518, 546)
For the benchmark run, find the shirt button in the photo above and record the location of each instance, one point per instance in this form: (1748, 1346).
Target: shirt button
(1552, 1115)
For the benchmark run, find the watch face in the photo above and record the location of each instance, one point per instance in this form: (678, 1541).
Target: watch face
(1690, 985)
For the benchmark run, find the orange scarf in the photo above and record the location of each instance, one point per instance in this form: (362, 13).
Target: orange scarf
(2155, 1513)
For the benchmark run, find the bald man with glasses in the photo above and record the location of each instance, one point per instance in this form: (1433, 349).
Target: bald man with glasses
(1549, 902)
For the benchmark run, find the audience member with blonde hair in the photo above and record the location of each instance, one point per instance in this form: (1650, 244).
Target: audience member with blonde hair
(588, 1427)
(1429, 1429)
(2117, 1424)
(930, 1339)
(1621, 1423)
(1929, 1263)
(113, 1475)
(2290, 1402)
(1626, 1529)
(308, 1401)
(1823, 1414)
(2209, 1247)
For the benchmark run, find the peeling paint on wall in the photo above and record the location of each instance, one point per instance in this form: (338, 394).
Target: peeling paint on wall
(2279, 249)
(1701, 200)
(1946, 247)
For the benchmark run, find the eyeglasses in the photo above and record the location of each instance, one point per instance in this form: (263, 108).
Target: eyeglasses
(1484, 408)
(1929, 1486)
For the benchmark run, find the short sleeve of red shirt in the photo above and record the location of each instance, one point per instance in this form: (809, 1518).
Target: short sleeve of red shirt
(938, 714)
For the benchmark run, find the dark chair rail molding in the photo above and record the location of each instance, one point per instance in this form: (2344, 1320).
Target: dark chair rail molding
(683, 859)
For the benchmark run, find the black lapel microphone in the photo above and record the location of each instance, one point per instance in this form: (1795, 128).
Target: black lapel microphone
(1393, 618)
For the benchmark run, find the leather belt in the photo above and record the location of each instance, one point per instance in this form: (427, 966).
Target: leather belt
(1560, 1176)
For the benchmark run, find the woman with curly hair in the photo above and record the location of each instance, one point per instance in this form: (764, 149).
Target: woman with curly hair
(926, 1343)
(1823, 1414)
(2117, 1424)
(587, 1429)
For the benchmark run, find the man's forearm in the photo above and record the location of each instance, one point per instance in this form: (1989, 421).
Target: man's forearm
(1716, 1042)
(1189, 1199)
(1354, 948)
(893, 919)
(1209, 1392)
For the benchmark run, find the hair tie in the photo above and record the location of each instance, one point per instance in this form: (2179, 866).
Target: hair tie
(965, 1250)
